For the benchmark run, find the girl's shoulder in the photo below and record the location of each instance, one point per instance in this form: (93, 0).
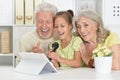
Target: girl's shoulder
(77, 38)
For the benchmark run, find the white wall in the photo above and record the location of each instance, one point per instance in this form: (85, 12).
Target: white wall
(112, 15)
(109, 11)
(62, 4)
(6, 7)
(114, 28)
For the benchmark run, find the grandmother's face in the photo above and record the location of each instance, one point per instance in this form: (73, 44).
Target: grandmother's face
(87, 29)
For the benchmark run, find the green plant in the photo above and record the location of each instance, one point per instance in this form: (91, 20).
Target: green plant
(102, 52)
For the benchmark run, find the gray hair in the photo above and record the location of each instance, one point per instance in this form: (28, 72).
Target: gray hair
(46, 7)
(102, 32)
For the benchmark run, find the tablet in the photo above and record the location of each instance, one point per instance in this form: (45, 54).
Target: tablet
(35, 63)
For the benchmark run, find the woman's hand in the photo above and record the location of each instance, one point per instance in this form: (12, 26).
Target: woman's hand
(85, 56)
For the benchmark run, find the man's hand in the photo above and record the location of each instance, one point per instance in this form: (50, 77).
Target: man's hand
(37, 49)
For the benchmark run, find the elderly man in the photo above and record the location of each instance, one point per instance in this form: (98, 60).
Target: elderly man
(37, 41)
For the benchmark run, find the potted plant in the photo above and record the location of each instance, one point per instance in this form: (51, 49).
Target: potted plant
(103, 59)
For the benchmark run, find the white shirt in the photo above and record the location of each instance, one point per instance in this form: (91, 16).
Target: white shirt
(31, 39)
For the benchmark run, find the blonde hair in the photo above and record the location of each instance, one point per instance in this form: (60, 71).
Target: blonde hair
(102, 32)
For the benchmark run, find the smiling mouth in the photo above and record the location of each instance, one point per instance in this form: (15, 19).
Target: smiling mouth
(84, 35)
(61, 33)
(44, 30)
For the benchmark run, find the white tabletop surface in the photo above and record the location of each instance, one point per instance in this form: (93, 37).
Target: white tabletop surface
(7, 73)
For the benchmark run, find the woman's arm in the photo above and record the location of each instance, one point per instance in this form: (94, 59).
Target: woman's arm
(116, 57)
(85, 56)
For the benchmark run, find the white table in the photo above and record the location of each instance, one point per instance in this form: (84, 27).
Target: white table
(7, 73)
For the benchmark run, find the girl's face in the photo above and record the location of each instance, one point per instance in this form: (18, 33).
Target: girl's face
(62, 27)
(87, 29)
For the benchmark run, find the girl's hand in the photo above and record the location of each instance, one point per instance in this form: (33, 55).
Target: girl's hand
(54, 55)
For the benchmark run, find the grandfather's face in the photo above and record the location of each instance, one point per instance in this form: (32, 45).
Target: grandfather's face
(87, 29)
(44, 24)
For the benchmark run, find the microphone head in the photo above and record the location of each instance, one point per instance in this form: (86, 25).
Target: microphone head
(55, 45)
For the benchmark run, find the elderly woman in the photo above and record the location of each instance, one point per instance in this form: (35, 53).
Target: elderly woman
(90, 27)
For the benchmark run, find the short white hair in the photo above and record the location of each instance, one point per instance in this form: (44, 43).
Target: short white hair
(94, 16)
(46, 7)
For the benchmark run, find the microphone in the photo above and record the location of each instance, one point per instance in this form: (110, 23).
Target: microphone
(55, 45)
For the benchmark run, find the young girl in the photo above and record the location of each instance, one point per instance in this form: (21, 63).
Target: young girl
(67, 54)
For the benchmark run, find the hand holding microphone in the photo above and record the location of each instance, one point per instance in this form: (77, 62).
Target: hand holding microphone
(55, 45)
